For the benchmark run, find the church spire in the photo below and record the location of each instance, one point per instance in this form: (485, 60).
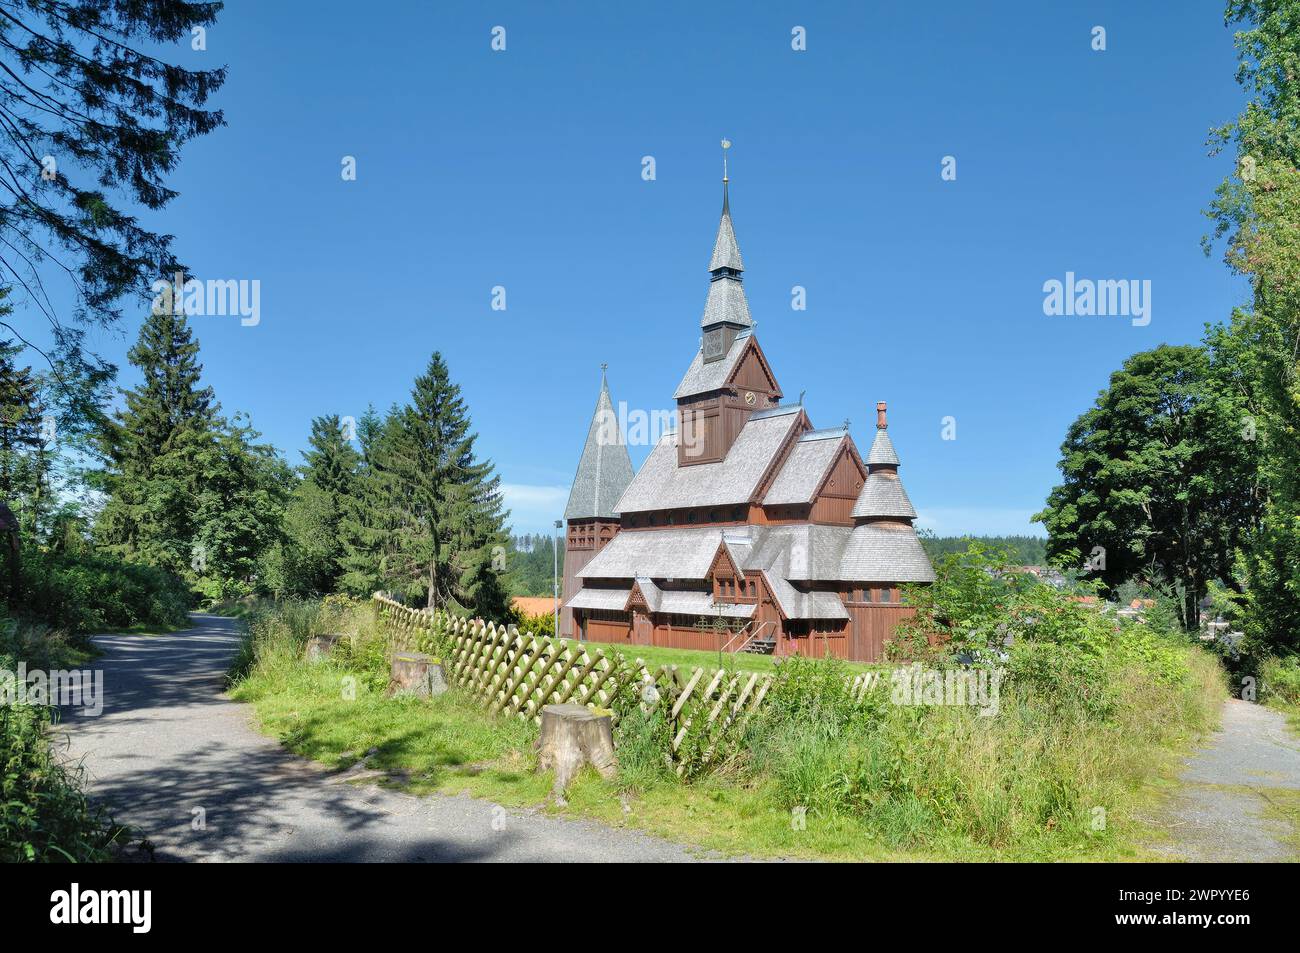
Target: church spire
(726, 303)
(605, 469)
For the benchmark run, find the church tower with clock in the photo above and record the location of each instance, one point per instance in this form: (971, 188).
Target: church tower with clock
(747, 528)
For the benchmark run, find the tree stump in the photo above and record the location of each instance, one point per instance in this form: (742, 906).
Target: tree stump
(319, 646)
(414, 673)
(571, 736)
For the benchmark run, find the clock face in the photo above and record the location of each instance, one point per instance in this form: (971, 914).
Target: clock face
(749, 397)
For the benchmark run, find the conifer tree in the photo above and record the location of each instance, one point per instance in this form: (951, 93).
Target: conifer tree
(156, 448)
(367, 519)
(314, 547)
(450, 542)
(20, 421)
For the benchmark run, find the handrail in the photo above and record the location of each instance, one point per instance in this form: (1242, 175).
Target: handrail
(753, 638)
(737, 634)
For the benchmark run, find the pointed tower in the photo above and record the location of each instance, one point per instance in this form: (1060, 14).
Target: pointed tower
(884, 549)
(604, 472)
(726, 312)
(729, 378)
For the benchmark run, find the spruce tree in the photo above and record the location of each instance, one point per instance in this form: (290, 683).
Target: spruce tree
(156, 447)
(368, 515)
(314, 544)
(450, 542)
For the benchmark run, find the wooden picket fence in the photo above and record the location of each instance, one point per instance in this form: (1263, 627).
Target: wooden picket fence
(516, 673)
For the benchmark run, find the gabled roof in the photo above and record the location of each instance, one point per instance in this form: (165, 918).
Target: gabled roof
(661, 484)
(701, 377)
(803, 551)
(805, 467)
(648, 593)
(885, 552)
(705, 377)
(795, 604)
(883, 495)
(604, 469)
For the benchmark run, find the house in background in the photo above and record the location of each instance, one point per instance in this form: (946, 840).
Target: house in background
(747, 528)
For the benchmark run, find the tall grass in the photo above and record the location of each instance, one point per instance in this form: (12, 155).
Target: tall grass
(1089, 712)
(1041, 775)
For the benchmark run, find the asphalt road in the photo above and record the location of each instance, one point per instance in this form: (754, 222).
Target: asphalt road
(170, 750)
(1236, 790)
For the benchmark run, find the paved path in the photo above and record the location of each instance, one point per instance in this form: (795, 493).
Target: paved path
(1234, 789)
(168, 742)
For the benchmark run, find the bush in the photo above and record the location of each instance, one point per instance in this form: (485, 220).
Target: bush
(1086, 703)
(43, 814)
(83, 593)
(1279, 681)
(536, 624)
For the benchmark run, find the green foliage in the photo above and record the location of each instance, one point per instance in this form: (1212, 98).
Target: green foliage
(188, 491)
(543, 624)
(44, 816)
(1255, 210)
(1021, 550)
(310, 560)
(1159, 476)
(1085, 701)
(85, 593)
(531, 564)
(1279, 681)
(426, 521)
(91, 82)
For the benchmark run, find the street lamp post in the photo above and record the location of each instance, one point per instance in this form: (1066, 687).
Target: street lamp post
(555, 572)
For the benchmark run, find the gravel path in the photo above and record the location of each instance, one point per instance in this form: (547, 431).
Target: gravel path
(1234, 789)
(170, 748)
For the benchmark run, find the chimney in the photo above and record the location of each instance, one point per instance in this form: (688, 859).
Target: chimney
(880, 415)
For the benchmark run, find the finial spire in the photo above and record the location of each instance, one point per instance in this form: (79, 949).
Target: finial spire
(726, 144)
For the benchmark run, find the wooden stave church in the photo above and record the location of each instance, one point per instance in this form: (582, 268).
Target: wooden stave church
(746, 528)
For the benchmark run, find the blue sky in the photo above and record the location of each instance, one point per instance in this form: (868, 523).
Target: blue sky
(522, 169)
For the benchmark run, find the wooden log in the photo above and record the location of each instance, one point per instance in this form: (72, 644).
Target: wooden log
(571, 736)
(414, 673)
(320, 646)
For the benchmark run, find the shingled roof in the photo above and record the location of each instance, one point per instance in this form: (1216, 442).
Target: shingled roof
(882, 450)
(883, 546)
(726, 301)
(605, 469)
(805, 467)
(669, 553)
(883, 495)
(661, 484)
(703, 377)
(885, 552)
(726, 253)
